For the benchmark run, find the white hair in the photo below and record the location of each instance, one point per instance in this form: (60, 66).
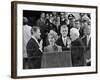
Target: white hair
(75, 32)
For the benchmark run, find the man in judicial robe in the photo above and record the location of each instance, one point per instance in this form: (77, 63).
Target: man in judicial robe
(34, 50)
(77, 48)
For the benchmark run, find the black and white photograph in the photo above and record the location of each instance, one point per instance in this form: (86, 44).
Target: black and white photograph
(54, 39)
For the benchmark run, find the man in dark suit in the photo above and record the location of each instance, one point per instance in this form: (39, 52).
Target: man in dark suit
(77, 48)
(87, 43)
(41, 23)
(64, 40)
(34, 50)
(71, 24)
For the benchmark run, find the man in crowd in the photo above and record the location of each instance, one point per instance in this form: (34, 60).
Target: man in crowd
(77, 24)
(87, 43)
(26, 37)
(34, 49)
(62, 18)
(77, 48)
(64, 40)
(41, 23)
(27, 34)
(79, 27)
(71, 24)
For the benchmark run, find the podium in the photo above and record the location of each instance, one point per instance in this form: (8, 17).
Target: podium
(56, 59)
(52, 60)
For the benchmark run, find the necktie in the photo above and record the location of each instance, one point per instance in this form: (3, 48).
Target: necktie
(87, 40)
(65, 41)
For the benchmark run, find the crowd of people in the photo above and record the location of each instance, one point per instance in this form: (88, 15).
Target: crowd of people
(56, 32)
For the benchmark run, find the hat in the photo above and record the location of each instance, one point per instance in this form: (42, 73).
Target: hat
(71, 16)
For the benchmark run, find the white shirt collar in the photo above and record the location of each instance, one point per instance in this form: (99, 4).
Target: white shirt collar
(64, 38)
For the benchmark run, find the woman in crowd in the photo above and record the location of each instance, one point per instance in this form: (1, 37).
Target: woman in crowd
(52, 47)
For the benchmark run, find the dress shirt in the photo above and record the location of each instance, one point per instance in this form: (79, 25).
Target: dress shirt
(64, 40)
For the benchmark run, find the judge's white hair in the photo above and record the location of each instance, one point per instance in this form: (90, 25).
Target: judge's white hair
(75, 32)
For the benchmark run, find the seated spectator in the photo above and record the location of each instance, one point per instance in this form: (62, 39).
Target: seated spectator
(52, 47)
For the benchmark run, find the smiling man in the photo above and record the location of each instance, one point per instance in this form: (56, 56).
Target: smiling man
(64, 40)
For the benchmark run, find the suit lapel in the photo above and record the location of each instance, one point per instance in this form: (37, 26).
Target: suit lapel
(63, 42)
(85, 41)
(35, 42)
(89, 45)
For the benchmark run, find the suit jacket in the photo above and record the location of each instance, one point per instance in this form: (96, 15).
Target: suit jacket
(34, 54)
(60, 43)
(69, 27)
(54, 48)
(87, 47)
(77, 52)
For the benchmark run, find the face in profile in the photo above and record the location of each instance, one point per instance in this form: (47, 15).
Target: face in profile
(51, 40)
(64, 31)
(77, 24)
(37, 34)
(85, 24)
(42, 15)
